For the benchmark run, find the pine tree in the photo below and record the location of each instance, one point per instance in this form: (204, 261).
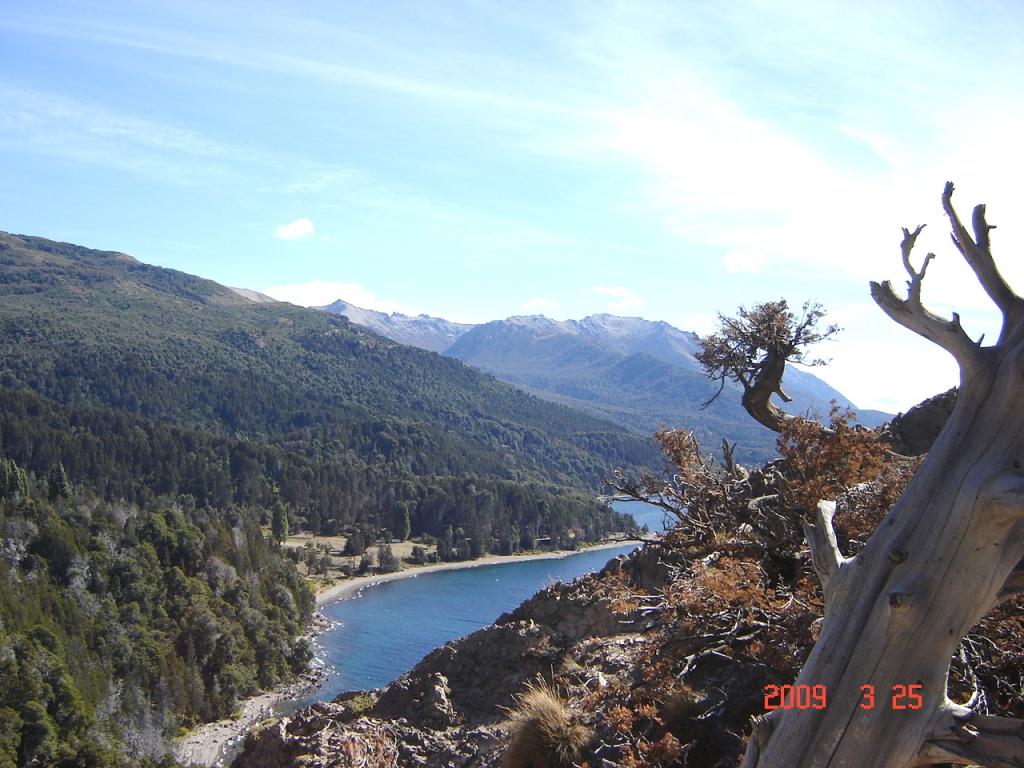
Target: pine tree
(406, 527)
(355, 544)
(58, 485)
(279, 522)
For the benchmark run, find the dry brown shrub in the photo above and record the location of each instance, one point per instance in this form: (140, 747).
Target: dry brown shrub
(375, 749)
(862, 508)
(820, 464)
(546, 734)
(704, 496)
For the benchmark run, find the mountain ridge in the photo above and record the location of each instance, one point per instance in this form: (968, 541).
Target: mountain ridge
(639, 373)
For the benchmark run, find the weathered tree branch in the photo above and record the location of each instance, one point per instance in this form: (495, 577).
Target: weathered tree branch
(825, 554)
(978, 254)
(761, 732)
(757, 396)
(963, 737)
(913, 315)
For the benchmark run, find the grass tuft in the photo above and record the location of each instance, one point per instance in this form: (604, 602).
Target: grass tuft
(546, 734)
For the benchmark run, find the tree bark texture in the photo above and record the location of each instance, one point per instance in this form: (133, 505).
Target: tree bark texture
(896, 613)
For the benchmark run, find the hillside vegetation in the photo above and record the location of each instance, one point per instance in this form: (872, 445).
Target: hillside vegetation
(120, 624)
(275, 399)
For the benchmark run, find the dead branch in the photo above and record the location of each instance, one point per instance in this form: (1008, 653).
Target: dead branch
(978, 255)
(913, 315)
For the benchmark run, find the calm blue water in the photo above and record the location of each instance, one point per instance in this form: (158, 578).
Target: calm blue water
(386, 629)
(655, 518)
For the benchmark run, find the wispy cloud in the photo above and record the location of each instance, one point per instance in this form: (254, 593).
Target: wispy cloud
(626, 300)
(299, 229)
(37, 121)
(329, 66)
(320, 293)
(791, 149)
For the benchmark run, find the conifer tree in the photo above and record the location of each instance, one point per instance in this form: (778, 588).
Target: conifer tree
(279, 522)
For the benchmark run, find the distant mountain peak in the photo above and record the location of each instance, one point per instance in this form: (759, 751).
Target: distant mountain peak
(640, 373)
(424, 331)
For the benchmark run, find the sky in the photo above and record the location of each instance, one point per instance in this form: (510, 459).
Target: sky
(474, 159)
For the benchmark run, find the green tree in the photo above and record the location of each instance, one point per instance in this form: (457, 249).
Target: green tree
(58, 485)
(405, 529)
(355, 544)
(365, 563)
(386, 560)
(279, 522)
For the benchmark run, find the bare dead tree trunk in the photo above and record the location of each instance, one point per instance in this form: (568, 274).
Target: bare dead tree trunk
(941, 559)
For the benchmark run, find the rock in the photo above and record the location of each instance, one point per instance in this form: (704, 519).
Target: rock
(481, 672)
(912, 433)
(422, 699)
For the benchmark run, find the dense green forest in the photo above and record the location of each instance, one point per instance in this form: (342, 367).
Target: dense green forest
(120, 624)
(147, 383)
(124, 456)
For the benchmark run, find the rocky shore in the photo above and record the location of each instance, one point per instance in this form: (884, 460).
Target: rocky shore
(217, 743)
(452, 709)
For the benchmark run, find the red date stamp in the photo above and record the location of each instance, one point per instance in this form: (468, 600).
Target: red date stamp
(816, 697)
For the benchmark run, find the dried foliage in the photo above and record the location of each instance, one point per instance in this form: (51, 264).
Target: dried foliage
(546, 733)
(705, 497)
(375, 749)
(820, 464)
(744, 607)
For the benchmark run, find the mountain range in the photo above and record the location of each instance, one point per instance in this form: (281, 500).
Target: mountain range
(639, 373)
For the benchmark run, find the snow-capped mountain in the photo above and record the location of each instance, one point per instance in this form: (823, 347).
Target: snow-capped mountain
(423, 331)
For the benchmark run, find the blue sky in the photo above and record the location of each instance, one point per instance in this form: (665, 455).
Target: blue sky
(479, 159)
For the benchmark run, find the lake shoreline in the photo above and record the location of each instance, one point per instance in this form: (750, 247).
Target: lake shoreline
(349, 587)
(208, 744)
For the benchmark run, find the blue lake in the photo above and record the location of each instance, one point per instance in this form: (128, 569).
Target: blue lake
(386, 629)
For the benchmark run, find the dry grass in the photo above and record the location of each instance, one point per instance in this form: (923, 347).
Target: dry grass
(369, 750)
(546, 734)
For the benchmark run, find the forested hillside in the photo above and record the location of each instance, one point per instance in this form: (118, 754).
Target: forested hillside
(124, 456)
(120, 624)
(354, 412)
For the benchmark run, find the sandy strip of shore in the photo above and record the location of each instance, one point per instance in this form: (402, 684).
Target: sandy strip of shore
(209, 744)
(349, 587)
